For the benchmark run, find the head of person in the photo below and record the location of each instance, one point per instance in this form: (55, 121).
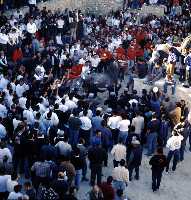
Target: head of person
(122, 163)
(17, 188)
(159, 151)
(27, 185)
(109, 180)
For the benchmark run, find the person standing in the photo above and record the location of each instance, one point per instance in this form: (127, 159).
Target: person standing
(135, 157)
(120, 176)
(174, 145)
(119, 152)
(153, 127)
(158, 162)
(96, 156)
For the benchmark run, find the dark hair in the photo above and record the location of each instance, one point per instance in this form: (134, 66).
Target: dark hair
(109, 179)
(160, 150)
(122, 162)
(17, 188)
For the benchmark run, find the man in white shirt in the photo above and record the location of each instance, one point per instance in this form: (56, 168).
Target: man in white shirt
(5, 153)
(70, 103)
(3, 82)
(120, 176)
(123, 127)
(113, 125)
(21, 88)
(174, 144)
(95, 60)
(138, 123)
(31, 27)
(118, 152)
(3, 110)
(85, 127)
(48, 120)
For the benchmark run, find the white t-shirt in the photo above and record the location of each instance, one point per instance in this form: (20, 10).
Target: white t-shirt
(15, 196)
(32, 2)
(31, 28)
(174, 142)
(5, 152)
(60, 23)
(138, 123)
(10, 185)
(86, 123)
(123, 125)
(113, 122)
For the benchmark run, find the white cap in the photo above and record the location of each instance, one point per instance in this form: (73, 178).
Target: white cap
(155, 89)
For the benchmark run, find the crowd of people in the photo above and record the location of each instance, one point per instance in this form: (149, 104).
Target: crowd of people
(57, 123)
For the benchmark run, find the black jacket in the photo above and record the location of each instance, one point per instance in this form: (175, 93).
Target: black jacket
(96, 155)
(158, 162)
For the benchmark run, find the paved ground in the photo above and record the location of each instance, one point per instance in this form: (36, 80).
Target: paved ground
(175, 186)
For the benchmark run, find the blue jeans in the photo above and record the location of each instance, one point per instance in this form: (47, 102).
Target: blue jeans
(176, 155)
(74, 136)
(151, 142)
(123, 136)
(173, 86)
(119, 185)
(78, 178)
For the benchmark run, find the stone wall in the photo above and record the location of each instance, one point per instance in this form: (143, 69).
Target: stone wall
(95, 6)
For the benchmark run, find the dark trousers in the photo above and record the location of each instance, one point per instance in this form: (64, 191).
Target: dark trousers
(131, 169)
(176, 155)
(156, 179)
(96, 171)
(182, 149)
(115, 134)
(84, 169)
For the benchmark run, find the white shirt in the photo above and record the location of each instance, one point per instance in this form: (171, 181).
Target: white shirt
(20, 89)
(90, 114)
(3, 182)
(3, 111)
(10, 185)
(121, 174)
(22, 102)
(54, 118)
(5, 152)
(32, 2)
(16, 123)
(60, 23)
(70, 104)
(15, 196)
(113, 122)
(174, 142)
(31, 28)
(4, 38)
(119, 152)
(123, 125)
(138, 123)
(86, 123)
(63, 108)
(42, 108)
(3, 83)
(28, 114)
